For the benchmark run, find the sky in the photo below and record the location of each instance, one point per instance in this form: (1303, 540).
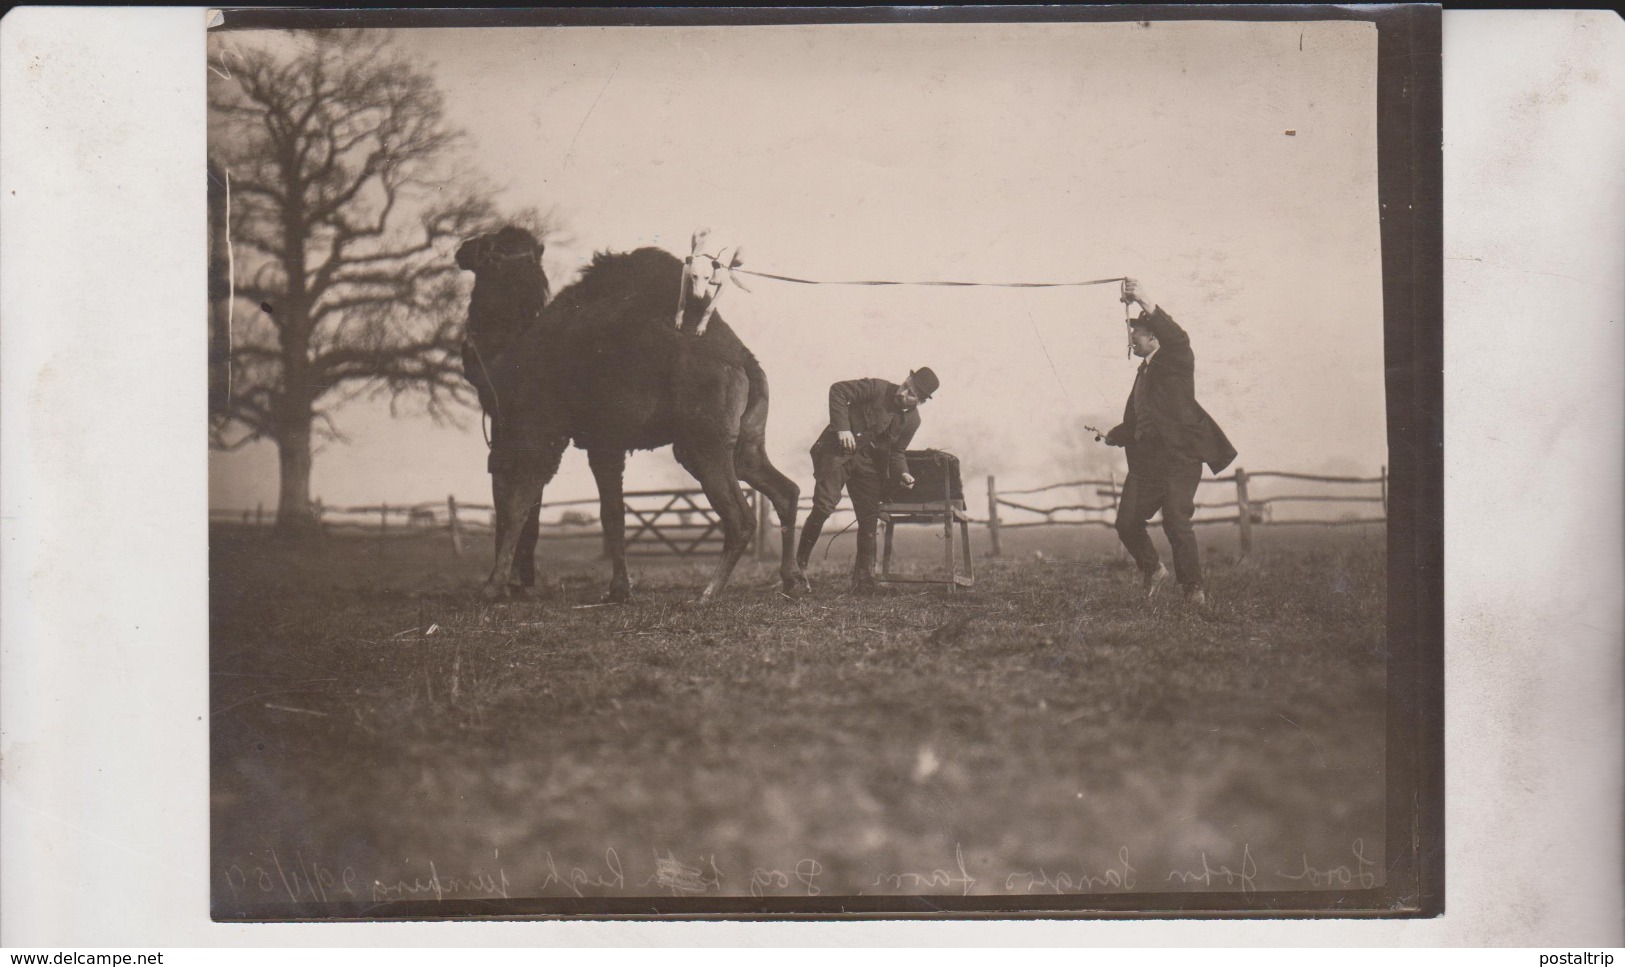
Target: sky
(1230, 167)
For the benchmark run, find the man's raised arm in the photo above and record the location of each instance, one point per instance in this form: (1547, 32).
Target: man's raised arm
(1168, 332)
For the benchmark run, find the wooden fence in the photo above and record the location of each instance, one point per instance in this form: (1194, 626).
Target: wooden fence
(681, 522)
(1246, 511)
(657, 521)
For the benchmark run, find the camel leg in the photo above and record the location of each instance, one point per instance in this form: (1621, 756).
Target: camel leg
(516, 492)
(608, 468)
(524, 558)
(713, 466)
(756, 470)
(523, 575)
(750, 457)
(501, 480)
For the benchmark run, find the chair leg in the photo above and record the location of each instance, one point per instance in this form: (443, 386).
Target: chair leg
(964, 538)
(954, 547)
(885, 560)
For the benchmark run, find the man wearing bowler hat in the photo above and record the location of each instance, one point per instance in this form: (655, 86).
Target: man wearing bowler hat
(1168, 437)
(871, 422)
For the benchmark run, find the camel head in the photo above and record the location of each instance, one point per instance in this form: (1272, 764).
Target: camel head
(706, 272)
(506, 246)
(510, 287)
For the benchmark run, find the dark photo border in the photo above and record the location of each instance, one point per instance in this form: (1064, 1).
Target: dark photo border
(1410, 185)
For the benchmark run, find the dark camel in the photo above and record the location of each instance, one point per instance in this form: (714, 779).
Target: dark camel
(509, 293)
(604, 365)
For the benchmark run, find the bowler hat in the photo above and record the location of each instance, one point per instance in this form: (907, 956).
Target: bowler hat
(925, 382)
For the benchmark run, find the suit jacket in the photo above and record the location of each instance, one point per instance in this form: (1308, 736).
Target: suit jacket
(868, 408)
(1167, 384)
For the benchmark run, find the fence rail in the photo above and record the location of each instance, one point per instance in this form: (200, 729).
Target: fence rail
(1249, 511)
(681, 522)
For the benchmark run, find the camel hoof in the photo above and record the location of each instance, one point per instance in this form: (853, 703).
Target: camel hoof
(493, 592)
(618, 595)
(797, 587)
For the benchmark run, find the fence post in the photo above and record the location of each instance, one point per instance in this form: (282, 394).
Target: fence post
(455, 525)
(1244, 513)
(321, 524)
(383, 520)
(1119, 551)
(993, 513)
(259, 514)
(948, 533)
(1385, 490)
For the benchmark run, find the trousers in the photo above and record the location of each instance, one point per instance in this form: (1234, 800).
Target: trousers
(857, 476)
(1159, 479)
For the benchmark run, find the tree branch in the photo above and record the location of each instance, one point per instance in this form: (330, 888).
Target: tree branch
(340, 162)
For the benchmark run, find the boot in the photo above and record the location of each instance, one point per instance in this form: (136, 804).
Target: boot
(809, 539)
(1153, 580)
(863, 569)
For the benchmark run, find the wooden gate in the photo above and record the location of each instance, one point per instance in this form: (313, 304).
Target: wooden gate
(681, 522)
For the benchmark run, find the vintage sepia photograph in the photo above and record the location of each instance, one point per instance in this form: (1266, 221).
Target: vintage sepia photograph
(885, 462)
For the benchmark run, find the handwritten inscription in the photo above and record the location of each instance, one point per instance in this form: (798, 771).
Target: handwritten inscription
(803, 879)
(938, 879)
(478, 884)
(1246, 876)
(1362, 873)
(1117, 877)
(609, 877)
(297, 880)
(681, 878)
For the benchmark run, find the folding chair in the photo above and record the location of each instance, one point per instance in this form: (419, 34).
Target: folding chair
(937, 497)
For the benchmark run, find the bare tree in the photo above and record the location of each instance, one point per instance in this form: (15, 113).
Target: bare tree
(335, 184)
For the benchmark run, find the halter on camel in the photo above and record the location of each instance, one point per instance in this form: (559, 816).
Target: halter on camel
(487, 250)
(711, 284)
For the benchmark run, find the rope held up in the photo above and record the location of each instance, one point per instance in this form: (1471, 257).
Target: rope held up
(1002, 285)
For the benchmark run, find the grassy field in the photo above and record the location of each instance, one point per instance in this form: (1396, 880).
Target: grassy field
(379, 733)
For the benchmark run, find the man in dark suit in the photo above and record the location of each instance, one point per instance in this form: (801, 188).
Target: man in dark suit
(1168, 437)
(871, 422)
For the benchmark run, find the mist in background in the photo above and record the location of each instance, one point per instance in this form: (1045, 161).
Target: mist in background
(1230, 167)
